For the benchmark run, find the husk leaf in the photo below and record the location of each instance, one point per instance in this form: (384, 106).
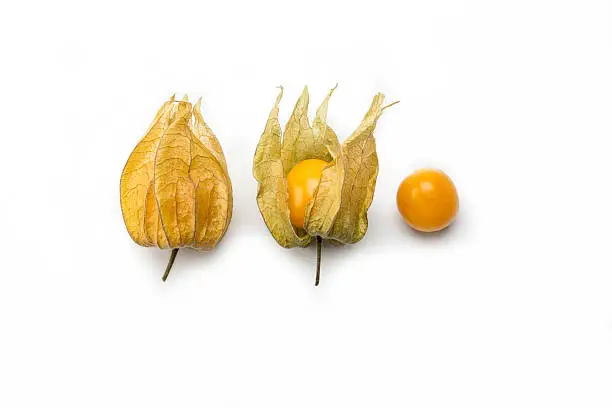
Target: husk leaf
(299, 141)
(321, 211)
(360, 163)
(272, 188)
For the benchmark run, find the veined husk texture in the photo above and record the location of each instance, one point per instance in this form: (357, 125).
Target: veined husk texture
(175, 189)
(338, 210)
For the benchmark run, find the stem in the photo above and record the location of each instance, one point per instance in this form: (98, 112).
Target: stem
(170, 263)
(319, 241)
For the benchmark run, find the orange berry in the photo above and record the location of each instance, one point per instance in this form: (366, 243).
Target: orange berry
(427, 200)
(302, 181)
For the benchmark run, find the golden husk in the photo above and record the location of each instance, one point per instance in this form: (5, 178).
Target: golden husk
(175, 190)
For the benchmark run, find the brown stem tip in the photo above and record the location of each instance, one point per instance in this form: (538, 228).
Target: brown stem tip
(319, 241)
(170, 263)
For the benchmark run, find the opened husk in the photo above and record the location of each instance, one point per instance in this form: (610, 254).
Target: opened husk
(338, 210)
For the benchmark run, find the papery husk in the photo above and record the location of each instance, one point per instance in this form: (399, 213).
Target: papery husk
(272, 190)
(175, 190)
(338, 210)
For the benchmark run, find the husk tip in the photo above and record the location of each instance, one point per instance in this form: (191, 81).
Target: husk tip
(390, 105)
(280, 93)
(331, 91)
(197, 105)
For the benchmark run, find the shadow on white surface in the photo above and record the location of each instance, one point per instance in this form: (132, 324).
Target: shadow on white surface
(453, 231)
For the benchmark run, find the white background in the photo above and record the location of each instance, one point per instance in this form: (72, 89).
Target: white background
(511, 307)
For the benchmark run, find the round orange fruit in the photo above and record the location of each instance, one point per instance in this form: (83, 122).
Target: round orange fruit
(427, 200)
(302, 181)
